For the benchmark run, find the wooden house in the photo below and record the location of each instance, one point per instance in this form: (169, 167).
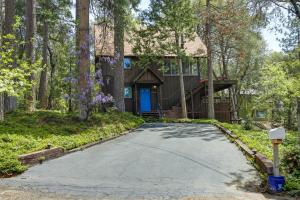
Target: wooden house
(154, 90)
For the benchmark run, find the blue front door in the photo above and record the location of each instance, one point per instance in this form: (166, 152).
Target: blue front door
(145, 99)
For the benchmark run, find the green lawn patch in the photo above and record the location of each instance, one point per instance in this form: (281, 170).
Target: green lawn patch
(23, 133)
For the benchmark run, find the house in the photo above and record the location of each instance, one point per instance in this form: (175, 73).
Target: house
(154, 90)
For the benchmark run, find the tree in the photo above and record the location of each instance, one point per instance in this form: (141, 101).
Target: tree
(30, 45)
(210, 96)
(84, 60)
(42, 95)
(10, 102)
(119, 9)
(164, 27)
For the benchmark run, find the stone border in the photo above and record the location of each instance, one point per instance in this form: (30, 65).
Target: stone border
(40, 156)
(52, 153)
(264, 164)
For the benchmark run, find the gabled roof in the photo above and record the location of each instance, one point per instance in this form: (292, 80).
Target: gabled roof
(104, 44)
(143, 72)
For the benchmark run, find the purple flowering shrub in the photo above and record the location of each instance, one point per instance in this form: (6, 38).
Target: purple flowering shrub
(92, 97)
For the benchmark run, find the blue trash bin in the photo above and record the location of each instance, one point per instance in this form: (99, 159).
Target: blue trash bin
(276, 183)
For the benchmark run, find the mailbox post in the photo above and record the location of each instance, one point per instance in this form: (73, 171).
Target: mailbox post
(276, 135)
(276, 182)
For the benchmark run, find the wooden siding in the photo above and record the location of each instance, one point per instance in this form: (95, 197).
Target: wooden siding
(200, 105)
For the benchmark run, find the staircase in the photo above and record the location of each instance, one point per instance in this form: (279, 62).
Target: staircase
(150, 114)
(175, 112)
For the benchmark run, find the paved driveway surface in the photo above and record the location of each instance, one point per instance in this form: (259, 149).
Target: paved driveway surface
(157, 161)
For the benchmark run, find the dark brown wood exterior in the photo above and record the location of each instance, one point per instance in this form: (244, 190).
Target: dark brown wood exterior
(165, 91)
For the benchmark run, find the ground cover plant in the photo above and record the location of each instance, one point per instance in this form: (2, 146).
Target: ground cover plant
(22, 133)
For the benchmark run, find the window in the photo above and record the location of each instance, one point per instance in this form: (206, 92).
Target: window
(127, 63)
(170, 67)
(189, 67)
(194, 67)
(127, 92)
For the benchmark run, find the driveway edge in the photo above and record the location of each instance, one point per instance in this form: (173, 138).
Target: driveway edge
(38, 157)
(265, 165)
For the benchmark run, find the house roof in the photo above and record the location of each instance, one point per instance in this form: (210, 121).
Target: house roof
(140, 75)
(104, 44)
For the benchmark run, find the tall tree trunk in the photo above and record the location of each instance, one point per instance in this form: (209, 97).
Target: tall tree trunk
(10, 102)
(30, 41)
(84, 60)
(1, 94)
(70, 108)
(232, 91)
(179, 41)
(1, 106)
(43, 79)
(51, 82)
(211, 109)
(119, 24)
(1, 17)
(77, 36)
(298, 119)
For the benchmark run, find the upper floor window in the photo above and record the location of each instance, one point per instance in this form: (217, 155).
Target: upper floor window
(189, 67)
(127, 63)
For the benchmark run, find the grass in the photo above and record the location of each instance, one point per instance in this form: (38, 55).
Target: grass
(258, 140)
(22, 133)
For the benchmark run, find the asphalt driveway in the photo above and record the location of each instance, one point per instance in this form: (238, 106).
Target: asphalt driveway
(157, 161)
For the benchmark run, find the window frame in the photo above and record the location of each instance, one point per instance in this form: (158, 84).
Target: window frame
(130, 92)
(190, 62)
(130, 63)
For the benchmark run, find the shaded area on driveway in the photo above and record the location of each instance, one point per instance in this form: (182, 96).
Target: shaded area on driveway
(156, 161)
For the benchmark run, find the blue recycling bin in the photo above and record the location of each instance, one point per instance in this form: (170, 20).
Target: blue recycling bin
(276, 183)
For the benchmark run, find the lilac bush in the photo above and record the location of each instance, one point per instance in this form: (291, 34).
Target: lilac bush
(91, 97)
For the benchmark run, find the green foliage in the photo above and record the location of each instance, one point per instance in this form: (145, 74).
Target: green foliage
(159, 28)
(23, 133)
(247, 124)
(14, 71)
(279, 87)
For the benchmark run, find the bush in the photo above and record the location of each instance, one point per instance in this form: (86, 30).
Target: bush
(247, 124)
(291, 161)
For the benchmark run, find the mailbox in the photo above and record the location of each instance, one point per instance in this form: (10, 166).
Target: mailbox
(277, 133)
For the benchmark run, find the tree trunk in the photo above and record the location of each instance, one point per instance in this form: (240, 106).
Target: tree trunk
(51, 82)
(1, 17)
(43, 79)
(1, 106)
(298, 119)
(30, 46)
(77, 39)
(232, 91)
(70, 108)
(118, 90)
(10, 102)
(181, 80)
(84, 60)
(211, 109)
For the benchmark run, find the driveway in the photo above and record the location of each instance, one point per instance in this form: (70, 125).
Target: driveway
(157, 161)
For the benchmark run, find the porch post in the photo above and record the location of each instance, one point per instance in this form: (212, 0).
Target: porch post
(136, 98)
(192, 102)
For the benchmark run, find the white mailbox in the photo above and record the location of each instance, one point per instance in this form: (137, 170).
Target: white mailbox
(277, 133)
